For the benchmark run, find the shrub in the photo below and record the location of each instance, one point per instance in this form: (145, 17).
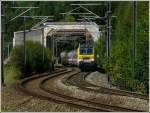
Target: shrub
(34, 59)
(11, 74)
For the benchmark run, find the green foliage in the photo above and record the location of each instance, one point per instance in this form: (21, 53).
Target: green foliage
(69, 18)
(34, 59)
(99, 51)
(11, 74)
(119, 64)
(142, 53)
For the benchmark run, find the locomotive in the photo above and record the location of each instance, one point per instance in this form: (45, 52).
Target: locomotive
(83, 57)
(86, 57)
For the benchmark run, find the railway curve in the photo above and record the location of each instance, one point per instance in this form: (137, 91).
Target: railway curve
(35, 86)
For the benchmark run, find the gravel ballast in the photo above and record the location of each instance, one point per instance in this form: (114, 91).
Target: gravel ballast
(122, 101)
(13, 100)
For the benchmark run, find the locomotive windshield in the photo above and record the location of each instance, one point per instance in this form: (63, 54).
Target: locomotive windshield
(86, 51)
(89, 50)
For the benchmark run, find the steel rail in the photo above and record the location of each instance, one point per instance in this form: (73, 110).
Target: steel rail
(48, 97)
(96, 105)
(60, 98)
(112, 91)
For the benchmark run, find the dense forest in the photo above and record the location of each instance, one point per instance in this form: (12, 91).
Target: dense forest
(119, 64)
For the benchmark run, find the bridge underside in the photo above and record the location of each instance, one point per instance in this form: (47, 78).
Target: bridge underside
(54, 38)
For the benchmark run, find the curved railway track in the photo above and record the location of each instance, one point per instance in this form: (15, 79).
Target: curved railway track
(35, 86)
(31, 86)
(100, 88)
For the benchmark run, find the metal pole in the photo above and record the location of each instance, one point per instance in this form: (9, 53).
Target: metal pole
(53, 49)
(8, 50)
(109, 24)
(108, 28)
(108, 33)
(2, 47)
(43, 43)
(24, 40)
(56, 51)
(134, 36)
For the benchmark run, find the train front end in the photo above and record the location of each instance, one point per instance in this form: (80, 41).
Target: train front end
(86, 58)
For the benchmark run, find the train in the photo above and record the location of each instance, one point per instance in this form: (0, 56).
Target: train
(69, 58)
(83, 57)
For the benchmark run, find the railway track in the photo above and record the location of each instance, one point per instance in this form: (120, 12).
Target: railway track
(35, 86)
(103, 89)
(31, 86)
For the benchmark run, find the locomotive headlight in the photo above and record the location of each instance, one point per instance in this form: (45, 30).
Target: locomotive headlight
(92, 59)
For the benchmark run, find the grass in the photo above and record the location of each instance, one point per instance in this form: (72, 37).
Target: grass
(11, 74)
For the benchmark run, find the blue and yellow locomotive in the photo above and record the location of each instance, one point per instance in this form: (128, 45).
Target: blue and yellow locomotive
(86, 57)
